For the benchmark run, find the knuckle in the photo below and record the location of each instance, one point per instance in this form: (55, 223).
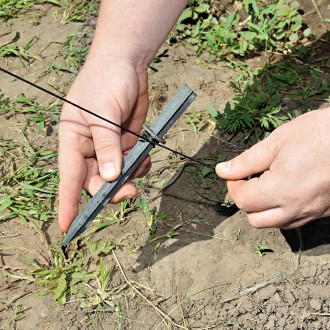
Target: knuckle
(103, 145)
(246, 157)
(254, 223)
(240, 202)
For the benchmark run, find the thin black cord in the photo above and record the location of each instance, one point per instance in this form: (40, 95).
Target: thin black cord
(100, 117)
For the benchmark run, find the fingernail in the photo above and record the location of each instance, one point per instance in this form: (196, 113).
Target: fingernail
(108, 170)
(224, 167)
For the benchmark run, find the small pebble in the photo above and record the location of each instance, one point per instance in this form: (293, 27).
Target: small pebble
(316, 304)
(44, 314)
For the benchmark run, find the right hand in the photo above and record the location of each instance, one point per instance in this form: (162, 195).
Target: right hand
(91, 150)
(294, 185)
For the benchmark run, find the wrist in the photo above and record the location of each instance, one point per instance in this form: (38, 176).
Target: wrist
(134, 30)
(129, 52)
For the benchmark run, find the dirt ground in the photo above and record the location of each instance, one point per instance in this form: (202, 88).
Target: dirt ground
(209, 276)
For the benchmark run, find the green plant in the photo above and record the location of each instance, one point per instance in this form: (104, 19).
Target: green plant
(76, 11)
(69, 276)
(151, 215)
(256, 110)
(261, 249)
(12, 8)
(125, 207)
(27, 188)
(22, 52)
(18, 315)
(196, 121)
(73, 53)
(277, 26)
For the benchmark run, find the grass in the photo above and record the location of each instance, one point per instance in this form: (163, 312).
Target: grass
(27, 188)
(13, 8)
(72, 54)
(76, 10)
(22, 52)
(275, 95)
(69, 11)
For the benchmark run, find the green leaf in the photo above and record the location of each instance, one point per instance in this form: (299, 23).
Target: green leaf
(206, 171)
(171, 233)
(255, 8)
(187, 13)
(82, 276)
(230, 20)
(144, 206)
(152, 229)
(60, 288)
(213, 112)
(256, 28)
(248, 35)
(307, 32)
(100, 246)
(54, 2)
(293, 37)
(100, 226)
(202, 8)
(5, 202)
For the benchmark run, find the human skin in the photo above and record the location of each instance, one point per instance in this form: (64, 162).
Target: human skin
(114, 84)
(294, 185)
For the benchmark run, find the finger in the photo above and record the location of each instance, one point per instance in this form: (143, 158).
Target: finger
(94, 181)
(277, 217)
(73, 171)
(107, 144)
(255, 160)
(127, 191)
(256, 194)
(271, 218)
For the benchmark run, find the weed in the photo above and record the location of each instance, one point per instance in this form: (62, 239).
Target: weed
(69, 276)
(22, 52)
(27, 188)
(152, 216)
(12, 8)
(278, 27)
(261, 249)
(261, 104)
(196, 121)
(76, 11)
(73, 53)
(18, 315)
(255, 112)
(125, 207)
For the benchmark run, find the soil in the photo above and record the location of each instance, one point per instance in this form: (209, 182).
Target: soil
(209, 275)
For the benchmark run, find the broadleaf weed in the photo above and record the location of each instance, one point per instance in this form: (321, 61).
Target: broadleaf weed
(277, 26)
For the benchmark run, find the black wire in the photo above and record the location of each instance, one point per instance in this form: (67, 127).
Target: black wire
(104, 119)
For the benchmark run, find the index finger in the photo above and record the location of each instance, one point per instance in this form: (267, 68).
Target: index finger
(255, 195)
(73, 171)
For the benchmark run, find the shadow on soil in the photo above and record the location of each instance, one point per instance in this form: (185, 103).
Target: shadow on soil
(197, 218)
(313, 238)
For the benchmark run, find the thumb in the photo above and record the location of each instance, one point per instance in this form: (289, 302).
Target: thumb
(107, 144)
(255, 160)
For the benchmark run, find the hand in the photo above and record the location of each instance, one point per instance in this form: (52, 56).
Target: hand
(91, 150)
(294, 185)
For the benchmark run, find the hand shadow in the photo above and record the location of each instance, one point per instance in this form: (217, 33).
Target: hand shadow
(313, 238)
